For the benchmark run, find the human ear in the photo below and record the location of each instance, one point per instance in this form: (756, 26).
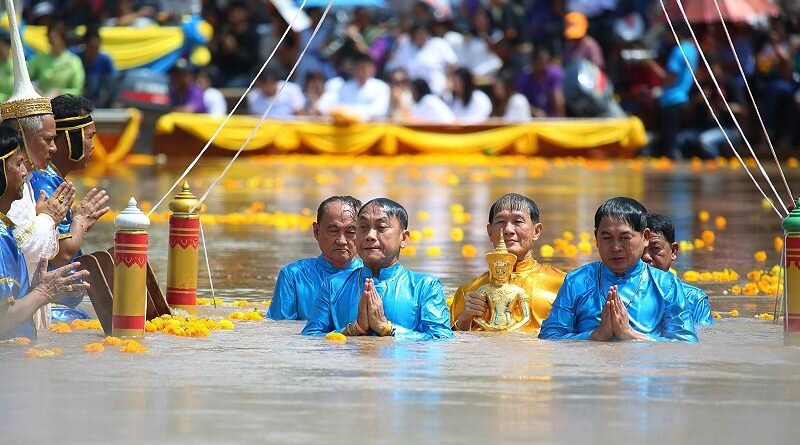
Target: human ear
(404, 238)
(537, 231)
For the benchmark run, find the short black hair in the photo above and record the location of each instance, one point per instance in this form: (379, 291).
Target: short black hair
(661, 224)
(69, 105)
(419, 89)
(393, 209)
(515, 203)
(625, 209)
(344, 199)
(9, 141)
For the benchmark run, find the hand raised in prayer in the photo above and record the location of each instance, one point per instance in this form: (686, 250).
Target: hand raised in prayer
(91, 207)
(58, 204)
(61, 282)
(605, 331)
(363, 311)
(620, 321)
(377, 318)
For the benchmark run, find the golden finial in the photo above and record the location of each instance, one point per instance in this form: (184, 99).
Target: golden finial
(184, 201)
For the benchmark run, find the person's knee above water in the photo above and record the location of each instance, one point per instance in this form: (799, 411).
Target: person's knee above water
(514, 219)
(75, 131)
(19, 298)
(299, 282)
(381, 297)
(620, 297)
(661, 251)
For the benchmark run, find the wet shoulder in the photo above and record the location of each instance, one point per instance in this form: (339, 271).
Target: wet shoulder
(551, 277)
(693, 291)
(582, 273)
(422, 279)
(298, 266)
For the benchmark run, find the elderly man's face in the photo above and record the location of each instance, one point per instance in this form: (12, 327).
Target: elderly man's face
(660, 252)
(620, 246)
(517, 230)
(41, 146)
(379, 238)
(336, 234)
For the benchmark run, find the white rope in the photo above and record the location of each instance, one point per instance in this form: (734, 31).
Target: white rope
(753, 100)
(266, 112)
(711, 109)
(233, 110)
(208, 265)
(728, 107)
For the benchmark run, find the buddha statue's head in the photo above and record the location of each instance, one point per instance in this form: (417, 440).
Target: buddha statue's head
(501, 263)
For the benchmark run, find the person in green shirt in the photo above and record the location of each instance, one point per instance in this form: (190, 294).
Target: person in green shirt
(6, 75)
(59, 71)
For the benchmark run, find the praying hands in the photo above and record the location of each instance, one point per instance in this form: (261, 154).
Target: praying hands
(614, 320)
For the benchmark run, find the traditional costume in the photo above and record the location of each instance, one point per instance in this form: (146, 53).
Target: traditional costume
(36, 234)
(412, 301)
(654, 299)
(299, 283)
(540, 281)
(13, 270)
(697, 304)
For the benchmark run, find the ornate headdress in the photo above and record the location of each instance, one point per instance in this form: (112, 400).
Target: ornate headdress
(5, 153)
(74, 127)
(24, 101)
(501, 254)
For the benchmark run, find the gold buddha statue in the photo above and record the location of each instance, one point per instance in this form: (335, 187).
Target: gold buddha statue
(501, 294)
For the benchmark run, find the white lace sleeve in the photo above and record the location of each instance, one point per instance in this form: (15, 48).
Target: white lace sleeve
(36, 234)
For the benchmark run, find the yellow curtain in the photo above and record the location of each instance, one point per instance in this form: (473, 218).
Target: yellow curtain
(383, 138)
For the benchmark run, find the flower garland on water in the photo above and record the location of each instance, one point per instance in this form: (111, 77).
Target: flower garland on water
(187, 326)
(41, 353)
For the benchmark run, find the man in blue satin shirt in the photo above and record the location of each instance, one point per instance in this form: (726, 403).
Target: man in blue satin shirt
(661, 251)
(382, 297)
(620, 297)
(299, 282)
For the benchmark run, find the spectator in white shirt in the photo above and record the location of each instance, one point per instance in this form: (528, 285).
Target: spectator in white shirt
(429, 108)
(314, 88)
(472, 48)
(424, 57)
(469, 104)
(402, 99)
(508, 103)
(285, 105)
(363, 96)
(213, 99)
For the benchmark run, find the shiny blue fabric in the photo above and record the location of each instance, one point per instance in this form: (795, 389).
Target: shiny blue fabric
(298, 285)
(655, 300)
(48, 180)
(697, 304)
(13, 281)
(66, 314)
(412, 301)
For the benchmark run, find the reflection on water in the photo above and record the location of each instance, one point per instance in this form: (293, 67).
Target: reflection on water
(262, 383)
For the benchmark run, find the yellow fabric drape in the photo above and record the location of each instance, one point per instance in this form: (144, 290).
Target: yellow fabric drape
(111, 155)
(128, 47)
(360, 138)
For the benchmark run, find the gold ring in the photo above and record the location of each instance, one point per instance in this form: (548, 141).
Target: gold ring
(61, 199)
(69, 288)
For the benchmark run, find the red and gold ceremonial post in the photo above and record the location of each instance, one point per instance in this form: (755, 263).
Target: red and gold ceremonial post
(791, 287)
(184, 236)
(130, 272)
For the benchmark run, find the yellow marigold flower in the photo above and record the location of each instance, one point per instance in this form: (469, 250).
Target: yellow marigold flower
(150, 327)
(720, 222)
(112, 341)
(750, 289)
(716, 315)
(734, 313)
(708, 237)
(133, 347)
(754, 275)
(699, 244)
(703, 216)
(240, 303)
(792, 162)
(706, 276)
(60, 328)
(203, 301)
(691, 276)
(428, 232)
(253, 316)
(456, 208)
(778, 243)
(546, 251)
(585, 247)
(766, 203)
(764, 286)
(236, 316)
(410, 250)
(22, 340)
(571, 251)
(686, 245)
(433, 251)
(415, 236)
(468, 250)
(40, 353)
(225, 325)
(560, 244)
(449, 301)
(760, 256)
(423, 215)
(568, 236)
(456, 234)
(736, 290)
(336, 337)
(94, 347)
(765, 316)
(586, 236)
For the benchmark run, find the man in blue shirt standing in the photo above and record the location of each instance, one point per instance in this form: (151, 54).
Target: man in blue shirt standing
(382, 297)
(299, 282)
(661, 251)
(620, 297)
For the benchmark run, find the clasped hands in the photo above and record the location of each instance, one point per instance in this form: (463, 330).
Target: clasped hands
(614, 320)
(370, 312)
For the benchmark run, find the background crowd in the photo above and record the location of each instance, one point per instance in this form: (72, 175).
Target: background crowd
(487, 59)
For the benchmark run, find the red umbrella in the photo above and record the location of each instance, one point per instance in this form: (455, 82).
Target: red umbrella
(739, 11)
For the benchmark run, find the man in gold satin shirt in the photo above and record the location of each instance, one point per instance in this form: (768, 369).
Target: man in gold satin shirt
(516, 218)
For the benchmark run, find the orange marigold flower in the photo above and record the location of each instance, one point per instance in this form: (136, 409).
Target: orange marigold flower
(468, 250)
(60, 328)
(133, 347)
(736, 290)
(760, 256)
(778, 242)
(734, 313)
(94, 347)
(754, 275)
(720, 222)
(708, 237)
(336, 337)
(22, 340)
(699, 244)
(716, 315)
(703, 216)
(112, 341)
(410, 250)
(691, 276)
